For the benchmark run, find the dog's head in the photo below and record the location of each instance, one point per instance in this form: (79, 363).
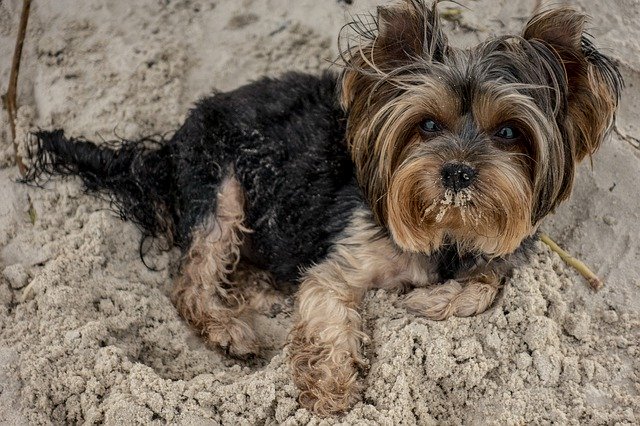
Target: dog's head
(472, 146)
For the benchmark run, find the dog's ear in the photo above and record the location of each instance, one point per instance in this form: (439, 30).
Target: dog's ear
(402, 34)
(408, 30)
(593, 81)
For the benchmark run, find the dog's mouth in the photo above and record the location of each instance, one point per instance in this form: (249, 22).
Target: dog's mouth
(451, 203)
(471, 219)
(484, 209)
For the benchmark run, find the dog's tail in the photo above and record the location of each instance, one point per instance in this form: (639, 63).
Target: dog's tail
(136, 176)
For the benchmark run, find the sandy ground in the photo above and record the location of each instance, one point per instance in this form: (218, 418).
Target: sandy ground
(87, 333)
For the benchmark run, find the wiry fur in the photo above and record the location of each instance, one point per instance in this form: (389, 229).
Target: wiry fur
(345, 198)
(326, 347)
(135, 176)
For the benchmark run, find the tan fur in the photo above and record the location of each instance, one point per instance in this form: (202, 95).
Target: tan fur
(259, 290)
(453, 298)
(326, 344)
(399, 167)
(493, 216)
(592, 100)
(203, 293)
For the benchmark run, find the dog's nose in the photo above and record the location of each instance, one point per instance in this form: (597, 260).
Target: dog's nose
(457, 176)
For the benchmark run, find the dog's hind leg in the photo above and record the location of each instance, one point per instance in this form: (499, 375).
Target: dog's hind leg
(204, 293)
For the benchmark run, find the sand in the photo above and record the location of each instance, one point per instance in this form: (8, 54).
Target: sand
(88, 334)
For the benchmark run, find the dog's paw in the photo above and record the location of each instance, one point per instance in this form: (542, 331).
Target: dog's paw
(234, 335)
(327, 377)
(452, 298)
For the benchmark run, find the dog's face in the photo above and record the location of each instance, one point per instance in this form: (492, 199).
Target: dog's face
(472, 147)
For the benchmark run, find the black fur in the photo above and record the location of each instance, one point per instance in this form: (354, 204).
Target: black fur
(451, 263)
(136, 176)
(283, 139)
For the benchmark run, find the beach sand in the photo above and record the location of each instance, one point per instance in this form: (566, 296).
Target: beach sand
(88, 334)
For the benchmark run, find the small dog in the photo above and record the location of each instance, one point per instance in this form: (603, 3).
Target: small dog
(420, 167)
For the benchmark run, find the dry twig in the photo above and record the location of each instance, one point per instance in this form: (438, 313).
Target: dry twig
(9, 98)
(634, 142)
(583, 269)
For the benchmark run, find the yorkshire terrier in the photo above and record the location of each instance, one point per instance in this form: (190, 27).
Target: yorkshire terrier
(420, 167)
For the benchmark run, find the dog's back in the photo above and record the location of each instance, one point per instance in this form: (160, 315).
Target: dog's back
(282, 139)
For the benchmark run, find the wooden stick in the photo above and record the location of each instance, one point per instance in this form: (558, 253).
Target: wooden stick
(583, 269)
(9, 98)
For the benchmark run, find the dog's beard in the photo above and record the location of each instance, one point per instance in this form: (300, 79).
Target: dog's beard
(491, 216)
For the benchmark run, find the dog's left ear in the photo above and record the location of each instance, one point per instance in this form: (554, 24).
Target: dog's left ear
(593, 80)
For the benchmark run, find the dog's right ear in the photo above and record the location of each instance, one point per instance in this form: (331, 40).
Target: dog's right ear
(409, 30)
(401, 34)
(387, 53)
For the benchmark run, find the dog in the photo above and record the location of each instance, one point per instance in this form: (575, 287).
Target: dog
(419, 167)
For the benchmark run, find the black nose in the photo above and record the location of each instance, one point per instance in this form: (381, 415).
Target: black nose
(457, 176)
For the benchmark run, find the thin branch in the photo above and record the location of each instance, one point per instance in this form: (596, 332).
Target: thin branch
(634, 142)
(9, 98)
(583, 269)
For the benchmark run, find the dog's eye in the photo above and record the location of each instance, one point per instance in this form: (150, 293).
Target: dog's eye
(507, 132)
(430, 126)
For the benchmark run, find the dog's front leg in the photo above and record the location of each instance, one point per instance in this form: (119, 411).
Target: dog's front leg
(326, 344)
(468, 294)
(327, 339)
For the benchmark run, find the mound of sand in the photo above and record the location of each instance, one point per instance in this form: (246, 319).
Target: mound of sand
(88, 334)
